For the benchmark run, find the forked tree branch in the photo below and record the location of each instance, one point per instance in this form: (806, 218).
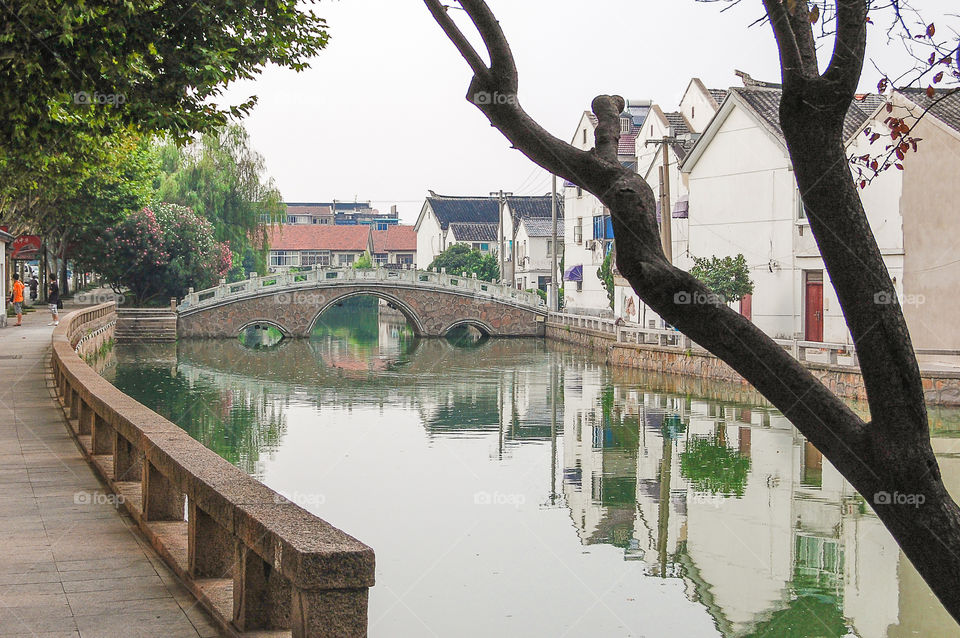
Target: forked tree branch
(676, 295)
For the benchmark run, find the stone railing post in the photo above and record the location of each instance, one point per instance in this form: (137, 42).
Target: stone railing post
(210, 547)
(162, 501)
(86, 418)
(102, 437)
(127, 460)
(261, 595)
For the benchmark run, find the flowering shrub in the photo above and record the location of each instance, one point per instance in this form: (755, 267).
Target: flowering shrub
(160, 252)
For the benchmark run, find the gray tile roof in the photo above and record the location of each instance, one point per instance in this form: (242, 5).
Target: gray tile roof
(944, 106)
(718, 95)
(536, 206)
(474, 231)
(453, 210)
(765, 102)
(542, 227)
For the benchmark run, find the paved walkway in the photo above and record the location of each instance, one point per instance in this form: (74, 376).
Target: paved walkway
(70, 563)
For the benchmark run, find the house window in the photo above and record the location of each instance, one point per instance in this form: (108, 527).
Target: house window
(549, 247)
(693, 112)
(580, 286)
(584, 136)
(380, 259)
(578, 231)
(801, 209)
(624, 125)
(485, 247)
(579, 192)
(406, 258)
(315, 258)
(281, 258)
(346, 259)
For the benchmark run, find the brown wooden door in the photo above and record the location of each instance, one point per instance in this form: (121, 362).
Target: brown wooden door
(746, 306)
(814, 311)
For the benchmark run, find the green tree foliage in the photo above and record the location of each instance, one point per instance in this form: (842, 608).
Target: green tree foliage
(223, 179)
(728, 277)
(160, 252)
(363, 261)
(605, 274)
(157, 64)
(462, 258)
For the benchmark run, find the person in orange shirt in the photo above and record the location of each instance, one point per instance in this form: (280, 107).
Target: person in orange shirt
(17, 298)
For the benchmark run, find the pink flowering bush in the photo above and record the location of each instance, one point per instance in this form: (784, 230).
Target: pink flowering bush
(160, 252)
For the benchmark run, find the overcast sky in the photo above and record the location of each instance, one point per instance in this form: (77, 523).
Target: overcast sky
(381, 114)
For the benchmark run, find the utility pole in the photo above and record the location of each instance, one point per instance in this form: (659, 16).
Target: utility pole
(666, 229)
(554, 280)
(502, 201)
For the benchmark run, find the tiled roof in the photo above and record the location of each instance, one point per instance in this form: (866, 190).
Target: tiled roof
(534, 206)
(677, 122)
(542, 226)
(454, 210)
(765, 102)
(467, 231)
(394, 238)
(946, 109)
(628, 142)
(718, 95)
(318, 237)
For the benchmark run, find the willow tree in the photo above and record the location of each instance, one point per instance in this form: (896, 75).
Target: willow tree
(890, 454)
(221, 177)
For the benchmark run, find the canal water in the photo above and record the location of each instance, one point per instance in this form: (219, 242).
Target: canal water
(519, 488)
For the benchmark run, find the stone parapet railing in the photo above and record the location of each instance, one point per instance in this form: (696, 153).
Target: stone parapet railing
(255, 560)
(313, 277)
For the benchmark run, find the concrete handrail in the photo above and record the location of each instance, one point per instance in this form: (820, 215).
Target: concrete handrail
(315, 277)
(289, 569)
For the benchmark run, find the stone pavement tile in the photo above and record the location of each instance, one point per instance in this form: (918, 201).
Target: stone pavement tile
(13, 597)
(29, 577)
(138, 593)
(167, 625)
(29, 620)
(107, 584)
(44, 634)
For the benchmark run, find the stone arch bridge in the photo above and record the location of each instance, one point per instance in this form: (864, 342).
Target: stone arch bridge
(433, 303)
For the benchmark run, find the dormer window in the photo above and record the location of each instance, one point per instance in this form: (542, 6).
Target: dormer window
(624, 125)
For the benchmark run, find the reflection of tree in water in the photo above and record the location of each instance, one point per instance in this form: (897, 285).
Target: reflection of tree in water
(714, 468)
(237, 421)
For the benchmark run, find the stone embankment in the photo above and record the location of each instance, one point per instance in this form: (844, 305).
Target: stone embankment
(941, 387)
(145, 325)
(255, 560)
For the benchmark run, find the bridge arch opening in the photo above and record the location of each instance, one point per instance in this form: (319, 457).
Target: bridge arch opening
(390, 303)
(261, 334)
(467, 334)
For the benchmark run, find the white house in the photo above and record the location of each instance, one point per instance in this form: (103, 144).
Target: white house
(744, 199)
(534, 252)
(446, 220)
(528, 239)
(588, 231)
(684, 126)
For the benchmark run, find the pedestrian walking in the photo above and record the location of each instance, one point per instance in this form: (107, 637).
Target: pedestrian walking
(16, 298)
(34, 284)
(53, 298)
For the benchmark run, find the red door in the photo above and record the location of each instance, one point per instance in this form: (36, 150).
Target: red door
(814, 309)
(746, 306)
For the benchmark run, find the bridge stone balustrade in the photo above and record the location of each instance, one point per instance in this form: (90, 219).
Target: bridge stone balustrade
(255, 560)
(434, 303)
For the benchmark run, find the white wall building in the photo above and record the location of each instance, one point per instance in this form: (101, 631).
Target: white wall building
(587, 229)
(446, 220)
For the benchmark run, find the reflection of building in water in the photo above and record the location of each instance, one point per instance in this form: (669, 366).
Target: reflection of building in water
(765, 532)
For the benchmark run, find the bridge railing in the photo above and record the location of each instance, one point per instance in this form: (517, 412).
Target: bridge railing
(256, 560)
(319, 276)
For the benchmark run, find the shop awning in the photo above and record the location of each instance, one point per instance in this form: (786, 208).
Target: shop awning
(574, 273)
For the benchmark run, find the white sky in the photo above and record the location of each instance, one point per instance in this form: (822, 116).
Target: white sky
(381, 114)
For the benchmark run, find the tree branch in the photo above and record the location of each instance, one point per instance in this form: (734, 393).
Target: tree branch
(791, 61)
(833, 427)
